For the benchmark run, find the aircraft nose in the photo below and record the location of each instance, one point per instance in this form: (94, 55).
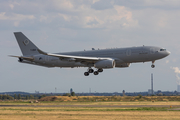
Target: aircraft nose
(164, 53)
(168, 53)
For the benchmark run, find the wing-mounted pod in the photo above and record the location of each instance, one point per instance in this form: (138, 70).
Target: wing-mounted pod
(110, 63)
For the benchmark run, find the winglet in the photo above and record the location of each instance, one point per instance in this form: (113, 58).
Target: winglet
(42, 52)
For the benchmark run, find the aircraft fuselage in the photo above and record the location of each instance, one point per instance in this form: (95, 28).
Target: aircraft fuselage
(121, 56)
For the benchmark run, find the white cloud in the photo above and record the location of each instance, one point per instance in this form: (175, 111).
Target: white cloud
(11, 6)
(94, 1)
(92, 22)
(17, 18)
(86, 17)
(16, 23)
(65, 17)
(62, 4)
(14, 16)
(117, 17)
(2, 16)
(162, 2)
(167, 61)
(79, 14)
(43, 18)
(176, 70)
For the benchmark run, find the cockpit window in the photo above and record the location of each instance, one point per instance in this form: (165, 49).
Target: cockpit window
(162, 49)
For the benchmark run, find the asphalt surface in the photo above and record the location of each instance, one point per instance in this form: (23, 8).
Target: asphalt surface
(99, 106)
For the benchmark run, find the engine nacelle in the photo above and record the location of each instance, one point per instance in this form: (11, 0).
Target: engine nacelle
(105, 64)
(123, 65)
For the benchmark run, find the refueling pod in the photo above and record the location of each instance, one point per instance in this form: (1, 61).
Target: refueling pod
(110, 63)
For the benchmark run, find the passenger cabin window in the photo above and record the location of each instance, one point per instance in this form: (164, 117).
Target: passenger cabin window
(162, 49)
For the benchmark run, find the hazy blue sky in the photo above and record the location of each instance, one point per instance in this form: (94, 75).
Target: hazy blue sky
(75, 25)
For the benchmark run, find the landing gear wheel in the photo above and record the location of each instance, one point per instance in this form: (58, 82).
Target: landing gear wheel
(90, 70)
(96, 73)
(100, 70)
(86, 73)
(153, 66)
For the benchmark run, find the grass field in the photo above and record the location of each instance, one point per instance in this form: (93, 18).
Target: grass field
(90, 113)
(170, 103)
(28, 113)
(110, 98)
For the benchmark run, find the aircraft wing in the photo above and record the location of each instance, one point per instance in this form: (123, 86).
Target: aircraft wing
(75, 58)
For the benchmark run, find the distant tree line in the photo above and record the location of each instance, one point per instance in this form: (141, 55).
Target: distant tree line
(27, 97)
(21, 97)
(69, 94)
(6, 97)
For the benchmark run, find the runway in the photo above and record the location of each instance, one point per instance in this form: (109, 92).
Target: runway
(99, 106)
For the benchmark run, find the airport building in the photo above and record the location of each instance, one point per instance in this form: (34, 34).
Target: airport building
(123, 92)
(71, 90)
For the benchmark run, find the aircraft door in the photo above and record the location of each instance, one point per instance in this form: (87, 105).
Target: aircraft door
(128, 52)
(152, 50)
(144, 54)
(40, 59)
(47, 58)
(128, 55)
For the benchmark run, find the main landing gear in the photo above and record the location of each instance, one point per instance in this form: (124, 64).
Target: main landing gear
(153, 66)
(90, 70)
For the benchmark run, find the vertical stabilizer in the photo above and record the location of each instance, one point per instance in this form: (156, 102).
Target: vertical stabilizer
(26, 46)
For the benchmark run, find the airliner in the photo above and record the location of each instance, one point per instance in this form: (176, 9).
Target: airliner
(99, 59)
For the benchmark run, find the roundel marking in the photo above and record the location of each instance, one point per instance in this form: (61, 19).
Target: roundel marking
(26, 42)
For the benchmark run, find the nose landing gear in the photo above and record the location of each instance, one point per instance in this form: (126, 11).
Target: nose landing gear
(153, 66)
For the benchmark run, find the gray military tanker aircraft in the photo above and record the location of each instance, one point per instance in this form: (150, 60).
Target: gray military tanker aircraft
(99, 59)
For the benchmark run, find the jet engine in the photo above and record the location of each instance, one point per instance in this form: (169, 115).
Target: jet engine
(105, 64)
(123, 65)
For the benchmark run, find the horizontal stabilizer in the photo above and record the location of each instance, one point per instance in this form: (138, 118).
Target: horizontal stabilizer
(27, 58)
